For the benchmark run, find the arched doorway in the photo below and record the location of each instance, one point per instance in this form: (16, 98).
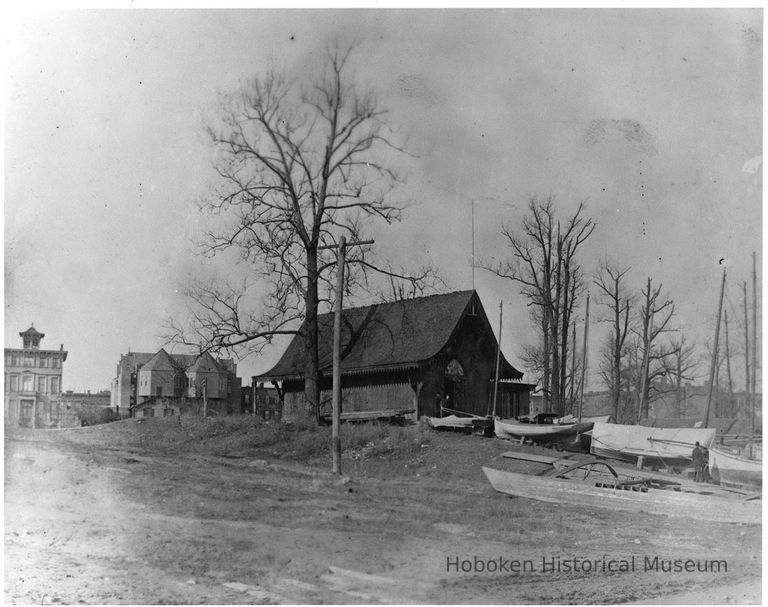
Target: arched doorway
(455, 386)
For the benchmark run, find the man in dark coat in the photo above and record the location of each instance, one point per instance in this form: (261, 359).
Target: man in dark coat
(699, 463)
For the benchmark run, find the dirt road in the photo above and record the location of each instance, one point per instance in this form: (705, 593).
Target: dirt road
(112, 515)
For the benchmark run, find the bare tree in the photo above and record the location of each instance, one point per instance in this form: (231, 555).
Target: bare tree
(681, 365)
(655, 315)
(612, 296)
(298, 166)
(545, 266)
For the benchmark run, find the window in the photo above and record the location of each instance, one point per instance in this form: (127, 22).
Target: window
(54, 385)
(41, 384)
(158, 390)
(148, 412)
(25, 409)
(14, 383)
(29, 360)
(27, 384)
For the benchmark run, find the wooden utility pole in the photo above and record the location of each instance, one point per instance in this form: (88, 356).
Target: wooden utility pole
(714, 351)
(498, 361)
(584, 358)
(336, 393)
(753, 389)
(205, 397)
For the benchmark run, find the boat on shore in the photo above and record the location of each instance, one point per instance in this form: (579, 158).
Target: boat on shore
(666, 446)
(539, 433)
(735, 467)
(582, 486)
(452, 422)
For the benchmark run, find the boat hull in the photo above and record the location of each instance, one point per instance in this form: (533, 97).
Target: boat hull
(733, 470)
(667, 446)
(665, 502)
(451, 422)
(539, 432)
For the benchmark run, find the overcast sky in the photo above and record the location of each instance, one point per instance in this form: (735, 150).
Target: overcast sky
(652, 116)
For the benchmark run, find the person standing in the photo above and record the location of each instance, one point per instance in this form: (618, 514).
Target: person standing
(699, 462)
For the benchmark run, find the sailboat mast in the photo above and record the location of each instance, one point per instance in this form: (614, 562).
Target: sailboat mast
(754, 339)
(473, 244)
(498, 361)
(714, 351)
(584, 358)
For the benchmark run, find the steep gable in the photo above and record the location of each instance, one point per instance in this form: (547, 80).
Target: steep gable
(393, 335)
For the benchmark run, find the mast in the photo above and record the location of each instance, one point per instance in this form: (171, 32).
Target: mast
(728, 363)
(747, 383)
(584, 358)
(714, 353)
(754, 339)
(498, 362)
(473, 244)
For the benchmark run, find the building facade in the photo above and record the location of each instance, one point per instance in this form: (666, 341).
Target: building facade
(162, 384)
(411, 355)
(33, 380)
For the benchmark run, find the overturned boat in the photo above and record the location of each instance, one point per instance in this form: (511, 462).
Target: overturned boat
(665, 446)
(592, 485)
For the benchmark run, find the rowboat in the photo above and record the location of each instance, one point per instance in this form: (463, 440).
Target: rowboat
(451, 422)
(733, 468)
(668, 446)
(544, 433)
(609, 491)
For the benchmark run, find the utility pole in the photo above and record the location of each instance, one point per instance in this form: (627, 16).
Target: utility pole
(336, 394)
(715, 347)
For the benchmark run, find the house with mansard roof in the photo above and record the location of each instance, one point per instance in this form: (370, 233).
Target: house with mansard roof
(408, 355)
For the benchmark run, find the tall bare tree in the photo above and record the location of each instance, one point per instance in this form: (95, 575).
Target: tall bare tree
(544, 264)
(298, 165)
(613, 297)
(655, 314)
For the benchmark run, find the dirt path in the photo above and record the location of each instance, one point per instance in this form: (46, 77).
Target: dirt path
(102, 523)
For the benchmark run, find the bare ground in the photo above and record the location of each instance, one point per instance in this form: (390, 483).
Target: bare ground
(154, 513)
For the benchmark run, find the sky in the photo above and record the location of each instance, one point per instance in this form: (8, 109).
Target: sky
(652, 117)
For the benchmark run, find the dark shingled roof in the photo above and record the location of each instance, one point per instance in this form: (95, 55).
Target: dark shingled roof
(386, 336)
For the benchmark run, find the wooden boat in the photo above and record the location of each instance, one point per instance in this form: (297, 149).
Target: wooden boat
(452, 422)
(543, 433)
(733, 468)
(610, 491)
(667, 446)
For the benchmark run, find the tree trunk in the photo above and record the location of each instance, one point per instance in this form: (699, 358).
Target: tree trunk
(311, 360)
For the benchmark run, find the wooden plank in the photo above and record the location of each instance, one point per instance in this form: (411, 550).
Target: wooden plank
(377, 414)
(530, 457)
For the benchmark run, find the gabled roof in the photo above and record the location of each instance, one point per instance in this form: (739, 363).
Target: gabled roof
(386, 336)
(161, 361)
(206, 364)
